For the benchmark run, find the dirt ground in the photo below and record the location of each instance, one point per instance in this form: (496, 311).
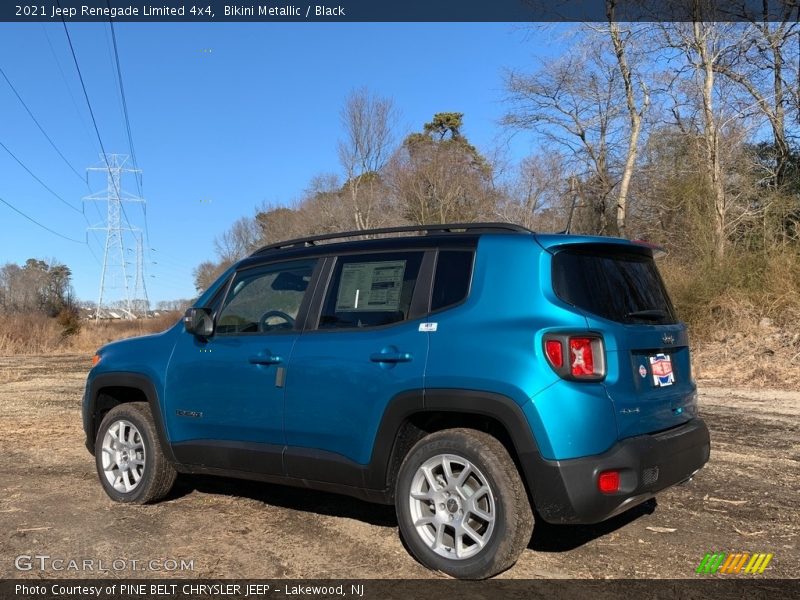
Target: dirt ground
(746, 499)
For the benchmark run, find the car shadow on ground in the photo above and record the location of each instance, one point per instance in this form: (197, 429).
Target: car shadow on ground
(561, 538)
(546, 537)
(294, 498)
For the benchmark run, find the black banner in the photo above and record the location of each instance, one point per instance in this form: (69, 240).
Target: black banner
(718, 588)
(399, 11)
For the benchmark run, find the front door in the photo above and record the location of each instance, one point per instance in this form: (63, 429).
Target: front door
(224, 395)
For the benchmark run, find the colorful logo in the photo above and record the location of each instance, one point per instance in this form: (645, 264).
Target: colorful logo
(733, 564)
(661, 366)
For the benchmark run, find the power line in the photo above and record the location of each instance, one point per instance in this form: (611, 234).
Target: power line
(66, 85)
(44, 133)
(77, 112)
(61, 199)
(89, 246)
(45, 186)
(124, 104)
(89, 104)
(45, 227)
(42, 183)
(58, 151)
(137, 176)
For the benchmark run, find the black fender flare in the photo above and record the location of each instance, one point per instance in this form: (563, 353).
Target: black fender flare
(131, 380)
(535, 472)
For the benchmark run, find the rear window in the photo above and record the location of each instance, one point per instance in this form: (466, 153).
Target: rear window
(621, 286)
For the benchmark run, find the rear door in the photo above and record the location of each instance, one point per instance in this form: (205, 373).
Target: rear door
(620, 292)
(366, 348)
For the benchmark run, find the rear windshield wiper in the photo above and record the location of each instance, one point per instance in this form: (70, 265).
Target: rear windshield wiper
(653, 314)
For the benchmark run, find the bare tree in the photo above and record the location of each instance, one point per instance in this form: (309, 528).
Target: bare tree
(536, 194)
(637, 105)
(368, 143)
(764, 65)
(703, 44)
(37, 286)
(238, 241)
(278, 223)
(573, 102)
(206, 273)
(437, 176)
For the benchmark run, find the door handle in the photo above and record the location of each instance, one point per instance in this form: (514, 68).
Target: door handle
(390, 357)
(265, 359)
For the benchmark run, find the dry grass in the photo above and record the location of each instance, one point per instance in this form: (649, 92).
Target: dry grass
(32, 333)
(743, 317)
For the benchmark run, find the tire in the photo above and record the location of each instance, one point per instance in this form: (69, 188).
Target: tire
(490, 486)
(130, 462)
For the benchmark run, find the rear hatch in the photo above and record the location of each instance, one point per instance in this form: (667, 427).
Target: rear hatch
(618, 289)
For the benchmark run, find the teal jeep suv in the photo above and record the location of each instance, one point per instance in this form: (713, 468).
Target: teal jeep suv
(475, 376)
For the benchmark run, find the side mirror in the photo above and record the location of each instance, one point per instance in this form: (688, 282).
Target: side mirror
(199, 322)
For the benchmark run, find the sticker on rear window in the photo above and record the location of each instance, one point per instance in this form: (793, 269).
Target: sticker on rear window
(661, 366)
(642, 371)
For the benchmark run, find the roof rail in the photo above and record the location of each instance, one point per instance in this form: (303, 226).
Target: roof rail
(443, 228)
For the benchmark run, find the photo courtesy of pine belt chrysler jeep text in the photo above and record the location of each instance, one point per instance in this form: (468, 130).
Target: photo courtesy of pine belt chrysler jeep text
(474, 375)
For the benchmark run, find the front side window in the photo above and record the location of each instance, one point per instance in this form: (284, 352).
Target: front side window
(265, 300)
(370, 290)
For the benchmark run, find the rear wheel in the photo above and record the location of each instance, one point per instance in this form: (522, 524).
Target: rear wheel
(130, 462)
(461, 504)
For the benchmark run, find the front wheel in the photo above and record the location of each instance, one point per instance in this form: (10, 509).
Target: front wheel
(128, 456)
(461, 504)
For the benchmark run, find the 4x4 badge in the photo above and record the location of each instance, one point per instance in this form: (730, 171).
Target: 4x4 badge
(667, 338)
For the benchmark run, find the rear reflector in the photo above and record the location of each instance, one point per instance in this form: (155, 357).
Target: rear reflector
(555, 353)
(608, 482)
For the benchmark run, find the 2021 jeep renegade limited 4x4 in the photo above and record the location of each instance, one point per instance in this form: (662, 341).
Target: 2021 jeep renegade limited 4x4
(469, 376)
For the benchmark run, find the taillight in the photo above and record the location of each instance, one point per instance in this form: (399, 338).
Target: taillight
(577, 357)
(581, 356)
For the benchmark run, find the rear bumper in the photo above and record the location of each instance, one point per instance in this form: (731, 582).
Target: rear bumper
(566, 491)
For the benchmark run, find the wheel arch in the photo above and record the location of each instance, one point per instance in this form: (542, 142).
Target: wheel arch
(108, 390)
(412, 415)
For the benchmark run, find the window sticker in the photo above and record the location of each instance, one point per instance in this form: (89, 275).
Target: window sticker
(371, 286)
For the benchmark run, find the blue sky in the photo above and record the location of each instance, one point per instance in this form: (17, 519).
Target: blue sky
(224, 117)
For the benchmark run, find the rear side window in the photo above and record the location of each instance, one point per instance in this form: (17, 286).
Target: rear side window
(370, 290)
(621, 286)
(453, 276)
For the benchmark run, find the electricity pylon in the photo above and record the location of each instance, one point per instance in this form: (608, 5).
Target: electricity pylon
(114, 275)
(140, 301)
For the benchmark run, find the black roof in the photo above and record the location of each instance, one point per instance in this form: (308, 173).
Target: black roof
(447, 229)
